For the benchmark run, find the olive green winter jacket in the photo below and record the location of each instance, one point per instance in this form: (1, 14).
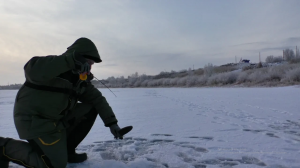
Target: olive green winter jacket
(39, 111)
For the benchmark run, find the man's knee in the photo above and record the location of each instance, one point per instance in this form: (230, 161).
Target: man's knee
(61, 162)
(54, 152)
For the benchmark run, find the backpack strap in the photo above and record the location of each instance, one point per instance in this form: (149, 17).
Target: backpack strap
(69, 92)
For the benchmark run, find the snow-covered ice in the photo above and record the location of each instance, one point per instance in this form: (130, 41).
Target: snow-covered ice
(191, 128)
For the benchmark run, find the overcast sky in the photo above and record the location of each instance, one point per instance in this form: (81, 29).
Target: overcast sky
(146, 36)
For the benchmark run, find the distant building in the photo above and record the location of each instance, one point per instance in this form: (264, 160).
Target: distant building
(245, 61)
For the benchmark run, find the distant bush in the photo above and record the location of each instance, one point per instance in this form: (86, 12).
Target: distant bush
(278, 74)
(295, 60)
(259, 65)
(208, 69)
(221, 69)
(258, 76)
(293, 75)
(245, 68)
(11, 87)
(242, 77)
(272, 59)
(199, 71)
(181, 81)
(191, 81)
(283, 74)
(271, 76)
(223, 78)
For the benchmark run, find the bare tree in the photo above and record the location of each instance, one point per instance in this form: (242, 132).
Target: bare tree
(297, 53)
(269, 59)
(288, 54)
(272, 59)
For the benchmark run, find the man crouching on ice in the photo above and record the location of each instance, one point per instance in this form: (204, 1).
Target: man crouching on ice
(46, 112)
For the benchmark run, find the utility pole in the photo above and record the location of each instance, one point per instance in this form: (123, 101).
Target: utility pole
(235, 59)
(283, 55)
(259, 65)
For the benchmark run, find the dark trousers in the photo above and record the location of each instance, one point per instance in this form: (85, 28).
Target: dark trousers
(52, 150)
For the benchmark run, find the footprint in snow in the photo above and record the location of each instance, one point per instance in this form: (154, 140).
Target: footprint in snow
(161, 135)
(202, 138)
(228, 162)
(258, 131)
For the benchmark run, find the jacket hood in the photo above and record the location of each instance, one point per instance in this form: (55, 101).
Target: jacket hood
(86, 48)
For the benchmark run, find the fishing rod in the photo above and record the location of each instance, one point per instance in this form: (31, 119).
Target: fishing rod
(83, 77)
(104, 85)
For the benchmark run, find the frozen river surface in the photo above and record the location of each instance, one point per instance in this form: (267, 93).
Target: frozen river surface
(191, 128)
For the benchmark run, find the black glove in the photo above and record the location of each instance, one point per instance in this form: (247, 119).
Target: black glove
(81, 64)
(114, 129)
(90, 77)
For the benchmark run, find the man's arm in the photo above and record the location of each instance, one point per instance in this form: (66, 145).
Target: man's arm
(45, 68)
(93, 96)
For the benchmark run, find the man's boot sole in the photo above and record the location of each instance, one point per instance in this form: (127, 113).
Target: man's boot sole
(77, 158)
(4, 164)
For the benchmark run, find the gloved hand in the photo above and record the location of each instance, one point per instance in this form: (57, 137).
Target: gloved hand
(90, 77)
(114, 129)
(81, 63)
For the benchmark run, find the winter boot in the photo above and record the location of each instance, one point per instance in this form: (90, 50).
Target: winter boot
(74, 157)
(19, 152)
(4, 161)
(77, 132)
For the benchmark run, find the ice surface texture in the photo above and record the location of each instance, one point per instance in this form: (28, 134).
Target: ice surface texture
(191, 128)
